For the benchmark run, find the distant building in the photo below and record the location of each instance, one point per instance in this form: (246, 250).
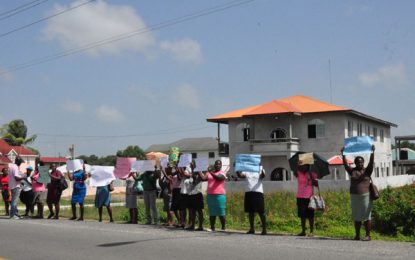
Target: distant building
(280, 128)
(47, 161)
(9, 152)
(206, 147)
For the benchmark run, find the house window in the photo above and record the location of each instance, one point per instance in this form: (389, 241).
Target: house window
(382, 136)
(387, 171)
(377, 172)
(368, 130)
(194, 155)
(349, 128)
(247, 133)
(359, 129)
(278, 133)
(211, 154)
(375, 134)
(316, 128)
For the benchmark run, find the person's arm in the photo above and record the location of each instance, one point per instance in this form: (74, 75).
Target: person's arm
(241, 174)
(70, 176)
(218, 177)
(203, 176)
(346, 166)
(136, 177)
(369, 168)
(262, 175)
(84, 176)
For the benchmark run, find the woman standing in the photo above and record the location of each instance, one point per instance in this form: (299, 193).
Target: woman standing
(216, 196)
(78, 192)
(196, 203)
(103, 198)
(5, 191)
(39, 191)
(54, 192)
(131, 197)
(27, 195)
(360, 178)
(305, 182)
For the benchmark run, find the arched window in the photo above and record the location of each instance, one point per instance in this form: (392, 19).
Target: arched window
(243, 132)
(316, 128)
(278, 174)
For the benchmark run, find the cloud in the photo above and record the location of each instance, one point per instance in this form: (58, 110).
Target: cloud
(184, 50)
(96, 22)
(72, 106)
(5, 74)
(144, 93)
(109, 115)
(391, 76)
(187, 96)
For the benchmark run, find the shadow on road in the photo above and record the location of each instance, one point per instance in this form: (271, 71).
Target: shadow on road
(118, 244)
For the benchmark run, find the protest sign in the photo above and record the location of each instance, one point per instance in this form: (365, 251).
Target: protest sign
(101, 176)
(123, 167)
(358, 145)
(185, 160)
(225, 164)
(202, 164)
(164, 161)
(43, 175)
(143, 166)
(74, 165)
(247, 162)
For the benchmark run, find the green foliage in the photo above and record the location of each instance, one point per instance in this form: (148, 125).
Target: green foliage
(15, 133)
(394, 212)
(406, 144)
(95, 160)
(132, 151)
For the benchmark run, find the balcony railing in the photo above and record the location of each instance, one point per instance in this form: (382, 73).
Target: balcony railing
(275, 146)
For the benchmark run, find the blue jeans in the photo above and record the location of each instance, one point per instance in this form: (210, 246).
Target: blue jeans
(13, 204)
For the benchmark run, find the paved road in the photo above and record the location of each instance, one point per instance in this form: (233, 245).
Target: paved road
(64, 239)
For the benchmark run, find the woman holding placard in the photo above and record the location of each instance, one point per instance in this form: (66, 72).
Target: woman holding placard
(360, 179)
(103, 198)
(39, 191)
(54, 191)
(216, 195)
(79, 191)
(131, 197)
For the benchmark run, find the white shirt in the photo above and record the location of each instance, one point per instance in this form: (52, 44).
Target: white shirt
(14, 172)
(27, 184)
(186, 183)
(253, 182)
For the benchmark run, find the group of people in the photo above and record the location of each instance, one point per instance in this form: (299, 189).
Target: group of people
(181, 190)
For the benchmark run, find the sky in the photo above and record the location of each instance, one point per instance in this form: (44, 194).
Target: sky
(103, 75)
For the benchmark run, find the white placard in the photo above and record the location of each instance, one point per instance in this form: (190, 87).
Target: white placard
(101, 175)
(164, 161)
(74, 165)
(202, 164)
(225, 163)
(185, 160)
(143, 165)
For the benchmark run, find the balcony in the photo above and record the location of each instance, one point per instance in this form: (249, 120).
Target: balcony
(277, 146)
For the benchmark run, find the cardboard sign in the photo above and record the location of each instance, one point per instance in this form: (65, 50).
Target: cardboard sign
(164, 161)
(358, 145)
(226, 165)
(74, 165)
(43, 175)
(101, 176)
(143, 166)
(247, 162)
(123, 167)
(202, 164)
(306, 158)
(185, 160)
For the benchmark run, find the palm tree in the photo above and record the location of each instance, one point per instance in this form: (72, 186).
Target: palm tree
(15, 133)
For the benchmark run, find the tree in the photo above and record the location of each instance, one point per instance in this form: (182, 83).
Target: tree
(132, 151)
(406, 144)
(15, 133)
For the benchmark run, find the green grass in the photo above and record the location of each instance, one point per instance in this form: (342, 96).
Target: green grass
(281, 213)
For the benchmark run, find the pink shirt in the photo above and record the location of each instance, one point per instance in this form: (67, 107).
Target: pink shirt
(214, 186)
(305, 185)
(36, 186)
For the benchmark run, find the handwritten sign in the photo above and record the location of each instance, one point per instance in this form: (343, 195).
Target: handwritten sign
(101, 176)
(143, 165)
(358, 145)
(123, 167)
(185, 160)
(43, 175)
(247, 162)
(74, 165)
(225, 164)
(164, 161)
(202, 164)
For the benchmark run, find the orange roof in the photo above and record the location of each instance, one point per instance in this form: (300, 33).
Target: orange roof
(337, 160)
(293, 104)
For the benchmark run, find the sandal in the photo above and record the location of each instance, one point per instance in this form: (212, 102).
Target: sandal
(367, 238)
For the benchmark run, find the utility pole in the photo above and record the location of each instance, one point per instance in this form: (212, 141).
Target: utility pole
(72, 151)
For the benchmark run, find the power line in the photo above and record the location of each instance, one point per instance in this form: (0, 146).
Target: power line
(45, 18)
(20, 9)
(124, 36)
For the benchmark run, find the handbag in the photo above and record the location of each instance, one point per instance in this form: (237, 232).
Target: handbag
(317, 202)
(111, 187)
(138, 187)
(373, 190)
(63, 184)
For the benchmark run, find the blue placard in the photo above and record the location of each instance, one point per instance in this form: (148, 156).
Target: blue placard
(358, 145)
(247, 162)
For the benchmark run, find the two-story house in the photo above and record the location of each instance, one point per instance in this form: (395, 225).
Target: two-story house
(280, 128)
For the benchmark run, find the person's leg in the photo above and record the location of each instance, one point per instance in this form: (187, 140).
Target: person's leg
(183, 218)
(109, 209)
(147, 204)
(6, 207)
(100, 214)
(357, 226)
(73, 208)
(57, 209)
(311, 222)
(13, 206)
(81, 211)
(303, 219)
(200, 219)
(131, 215)
(212, 220)
(153, 198)
(251, 216)
(192, 219)
(263, 223)
(135, 216)
(368, 227)
(222, 222)
(50, 207)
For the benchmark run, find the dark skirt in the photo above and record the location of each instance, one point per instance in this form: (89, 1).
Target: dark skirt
(303, 210)
(175, 201)
(54, 193)
(184, 201)
(196, 201)
(27, 197)
(254, 202)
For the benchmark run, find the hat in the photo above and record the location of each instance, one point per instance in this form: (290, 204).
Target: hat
(30, 168)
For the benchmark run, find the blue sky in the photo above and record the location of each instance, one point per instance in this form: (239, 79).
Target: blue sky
(161, 85)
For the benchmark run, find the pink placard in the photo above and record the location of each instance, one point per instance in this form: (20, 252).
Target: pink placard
(123, 167)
